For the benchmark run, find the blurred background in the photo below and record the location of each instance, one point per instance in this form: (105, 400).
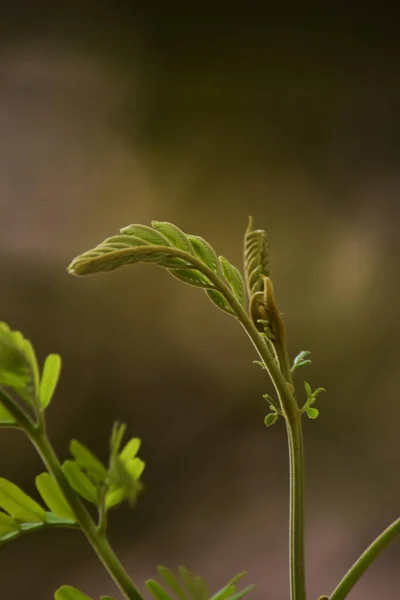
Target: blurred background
(114, 113)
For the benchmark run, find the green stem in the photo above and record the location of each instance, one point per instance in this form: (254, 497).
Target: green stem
(292, 415)
(365, 560)
(98, 541)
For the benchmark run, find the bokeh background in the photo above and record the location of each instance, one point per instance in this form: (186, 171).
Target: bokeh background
(114, 113)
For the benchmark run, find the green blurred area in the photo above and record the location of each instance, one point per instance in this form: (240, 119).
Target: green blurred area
(113, 114)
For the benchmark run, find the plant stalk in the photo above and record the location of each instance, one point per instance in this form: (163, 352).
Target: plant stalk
(98, 541)
(365, 560)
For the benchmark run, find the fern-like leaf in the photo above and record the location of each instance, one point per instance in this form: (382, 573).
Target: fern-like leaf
(189, 258)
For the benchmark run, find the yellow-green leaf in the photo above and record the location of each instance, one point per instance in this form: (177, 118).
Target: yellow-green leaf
(88, 461)
(130, 449)
(7, 524)
(80, 481)
(49, 380)
(176, 236)
(67, 592)
(52, 495)
(18, 504)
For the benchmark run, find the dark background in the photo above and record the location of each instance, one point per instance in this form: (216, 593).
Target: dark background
(115, 113)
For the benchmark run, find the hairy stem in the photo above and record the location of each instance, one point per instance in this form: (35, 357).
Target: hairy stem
(98, 541)
(365, 560)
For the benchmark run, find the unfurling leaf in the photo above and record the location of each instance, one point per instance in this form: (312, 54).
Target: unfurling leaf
(256, 259)
(235, 280)
(67, 592)
(18, 365)
(49, 379)
(19, 505)
(53, 497)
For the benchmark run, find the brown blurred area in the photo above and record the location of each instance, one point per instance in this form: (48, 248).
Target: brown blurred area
(114, 113)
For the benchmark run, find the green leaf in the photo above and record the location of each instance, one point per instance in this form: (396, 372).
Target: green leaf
(18, 504)
(53, 497)
(67, 592)
(130, 449)
(79, 481)
(6, 418)
(88, 462)
(235, 280)
(218, 299)
(148, 234)
(192, 277)
(111, 256)
(241, 593)
(172, 581)
(158, 592)
(189, 581)
(117, 435)
(123, 478)
(205, 252)
(318, 391)
(106, 598)
(308, 389)
(270, 419)
(229, 588)
(312, 413)
(18, 364)
(300, 360)
(115, 495)
(135, 467)
(174, 235)
(7, 525)
(49, 380)
(52, 521)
